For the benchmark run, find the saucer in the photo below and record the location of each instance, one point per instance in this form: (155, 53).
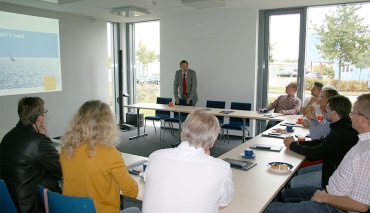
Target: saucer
(242, 154)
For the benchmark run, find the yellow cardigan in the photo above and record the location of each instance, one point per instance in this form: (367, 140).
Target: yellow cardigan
(100, 177)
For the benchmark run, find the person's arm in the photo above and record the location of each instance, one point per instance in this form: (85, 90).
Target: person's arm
(319, 129)
(176, 84)
(340, 202)
(119, 172)
(305, 105)
(48, 156)
(193, 88)
(315, 149)
(273, 105)
(295, 109)
(227, 191)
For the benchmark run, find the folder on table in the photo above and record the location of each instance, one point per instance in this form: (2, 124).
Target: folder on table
(273, 148)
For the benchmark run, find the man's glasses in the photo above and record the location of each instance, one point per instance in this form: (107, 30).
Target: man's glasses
(45, 111)
(360, 114)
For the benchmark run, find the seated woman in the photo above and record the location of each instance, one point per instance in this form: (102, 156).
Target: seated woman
(91, 165)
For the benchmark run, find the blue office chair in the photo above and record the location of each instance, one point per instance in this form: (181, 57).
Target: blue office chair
(219, 105)
(6, 202)
(58, 203)
(159, 115)
(175, 119)
(237, 123)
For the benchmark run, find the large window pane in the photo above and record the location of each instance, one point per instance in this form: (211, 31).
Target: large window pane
(283, 53)
(147, 63)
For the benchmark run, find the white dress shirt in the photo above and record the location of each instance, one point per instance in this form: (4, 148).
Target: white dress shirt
(185, 179)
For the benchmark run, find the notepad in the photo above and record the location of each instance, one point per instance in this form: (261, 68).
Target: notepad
(274, 135)
(240, 164)
(273, 148)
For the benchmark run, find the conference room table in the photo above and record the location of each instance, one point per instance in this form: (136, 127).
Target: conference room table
(243, 114)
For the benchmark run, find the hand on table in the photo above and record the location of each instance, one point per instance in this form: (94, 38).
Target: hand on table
(188, 101)
(282, 112)
(288, 141)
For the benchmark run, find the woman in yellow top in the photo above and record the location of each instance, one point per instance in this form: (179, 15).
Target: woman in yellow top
(91, 165)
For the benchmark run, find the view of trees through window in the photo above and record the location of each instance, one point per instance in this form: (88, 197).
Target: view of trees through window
(337, 49)
(147, 66)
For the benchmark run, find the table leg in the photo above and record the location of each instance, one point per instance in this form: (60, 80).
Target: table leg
(138, 126)
(243, 130)
(177, 144)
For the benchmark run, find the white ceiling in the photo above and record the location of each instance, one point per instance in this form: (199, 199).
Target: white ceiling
(99, 9)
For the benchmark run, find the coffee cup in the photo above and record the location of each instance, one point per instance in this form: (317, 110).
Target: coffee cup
(248, 153)
(300, 120)
(265, 110)
(319, 117)
(289, 129)
(145, 165)
(171, 104)
(301, 138)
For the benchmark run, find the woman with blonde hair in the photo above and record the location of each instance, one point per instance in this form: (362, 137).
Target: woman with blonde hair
(91, 164)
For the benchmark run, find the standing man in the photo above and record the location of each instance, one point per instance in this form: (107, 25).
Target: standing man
(28, 157)
(185, 84)
(288, 104)
(314, 99)
(349, 186)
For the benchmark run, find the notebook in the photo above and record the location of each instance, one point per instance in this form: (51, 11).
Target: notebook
(274, 135)
(291, 124)
(226, 111)
(273, 148)
(240, 164)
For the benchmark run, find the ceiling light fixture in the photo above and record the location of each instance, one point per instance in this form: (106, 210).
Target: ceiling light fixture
(60, 1)
(129, 11)
(202, 4)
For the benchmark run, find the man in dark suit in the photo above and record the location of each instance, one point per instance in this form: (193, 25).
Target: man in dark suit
(185, 84)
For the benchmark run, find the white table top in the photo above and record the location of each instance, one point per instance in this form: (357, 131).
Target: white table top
(214, 111)
(257, 187)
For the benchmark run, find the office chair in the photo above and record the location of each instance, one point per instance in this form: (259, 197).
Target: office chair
(159, 115)
(6, 202)
(219, 105)
(237, 123)
(58, 203)
(175, 118)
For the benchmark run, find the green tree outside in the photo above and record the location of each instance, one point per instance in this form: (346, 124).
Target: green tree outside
(343, 36)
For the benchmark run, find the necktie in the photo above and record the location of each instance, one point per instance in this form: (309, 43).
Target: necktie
(184, 84)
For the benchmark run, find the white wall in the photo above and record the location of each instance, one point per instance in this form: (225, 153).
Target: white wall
(220, 47)
(83, 48)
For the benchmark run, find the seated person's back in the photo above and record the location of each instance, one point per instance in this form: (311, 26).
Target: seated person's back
(92, 166)
(186, 179)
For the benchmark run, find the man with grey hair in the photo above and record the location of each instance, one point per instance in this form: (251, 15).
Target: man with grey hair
(187, 178)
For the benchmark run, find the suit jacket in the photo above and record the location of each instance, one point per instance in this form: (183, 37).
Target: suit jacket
(191, 85)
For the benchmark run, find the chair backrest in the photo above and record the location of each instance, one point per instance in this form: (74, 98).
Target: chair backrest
(58, 203)
(240, 106)
(182, 102)
(6, 202)
(163, 114)
(219, 105)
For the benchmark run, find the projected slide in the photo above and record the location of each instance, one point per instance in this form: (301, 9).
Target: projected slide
(29, 54)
